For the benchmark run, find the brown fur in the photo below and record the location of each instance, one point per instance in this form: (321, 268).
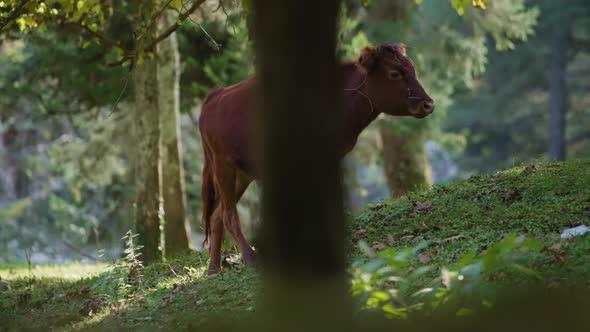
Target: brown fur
(382, 80)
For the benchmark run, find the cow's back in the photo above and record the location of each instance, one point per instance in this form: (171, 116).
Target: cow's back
(224, 121)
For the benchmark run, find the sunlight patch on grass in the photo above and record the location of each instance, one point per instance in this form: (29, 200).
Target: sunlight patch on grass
(64, 271)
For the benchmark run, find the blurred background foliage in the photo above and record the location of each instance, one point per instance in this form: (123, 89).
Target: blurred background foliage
(66, 187)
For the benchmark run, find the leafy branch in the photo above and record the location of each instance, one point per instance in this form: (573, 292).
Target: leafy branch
(15, 13)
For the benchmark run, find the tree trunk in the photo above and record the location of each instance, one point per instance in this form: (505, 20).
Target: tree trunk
(176, 224)
(148, 203)
(302, 236)
(406, 164)
(558, 102)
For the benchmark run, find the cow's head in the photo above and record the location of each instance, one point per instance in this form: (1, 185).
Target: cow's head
(391, 81)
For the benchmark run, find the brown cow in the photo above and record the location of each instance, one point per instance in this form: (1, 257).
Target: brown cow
(382, 80)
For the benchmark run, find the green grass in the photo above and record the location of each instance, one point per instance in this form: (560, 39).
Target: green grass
(470, 215)
(175, 294)
(466, 216)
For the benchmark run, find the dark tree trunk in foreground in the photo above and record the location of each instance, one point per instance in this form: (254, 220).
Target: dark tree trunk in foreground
(302, 238)
(405, 161)
(147, 160)
(176, 225)
(559, 93)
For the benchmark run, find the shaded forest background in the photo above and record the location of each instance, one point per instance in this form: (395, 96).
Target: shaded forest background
(509, 83)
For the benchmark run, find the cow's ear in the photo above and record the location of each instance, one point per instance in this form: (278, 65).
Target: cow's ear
(368, 59)
(401, 48)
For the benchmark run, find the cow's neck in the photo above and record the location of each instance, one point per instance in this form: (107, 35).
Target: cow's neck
(359, 110)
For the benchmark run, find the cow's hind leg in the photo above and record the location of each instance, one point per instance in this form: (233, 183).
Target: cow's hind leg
(215, 241)
(217, 229)
(231, 186)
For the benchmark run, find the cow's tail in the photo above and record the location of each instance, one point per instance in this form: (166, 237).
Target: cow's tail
(207, 197)
(207, 184)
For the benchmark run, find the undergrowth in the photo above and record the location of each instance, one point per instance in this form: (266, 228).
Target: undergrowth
(451, 249)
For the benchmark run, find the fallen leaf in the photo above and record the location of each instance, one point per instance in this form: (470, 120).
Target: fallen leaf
(421, 229)
(377, 246)
(390, 240)
(417, 239)
(407, 238)
(424, 258)
(361, 231)
(531, 168)
(510, 195)
(556, 247)
(449, 239)
(440, 226)
(423, 206)
(488, 211)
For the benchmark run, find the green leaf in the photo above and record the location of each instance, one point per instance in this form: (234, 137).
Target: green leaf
(397, 312)
(467, 259)
(528, 271)
(176, 4)
(465, 312)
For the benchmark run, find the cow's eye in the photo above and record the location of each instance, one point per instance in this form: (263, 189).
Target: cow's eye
(395, 75)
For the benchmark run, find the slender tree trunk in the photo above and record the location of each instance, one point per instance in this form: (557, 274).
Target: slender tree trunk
(302, 236)
(406, 164)
(176, 224)
(405, 160)
(148, 203)
(559, 93)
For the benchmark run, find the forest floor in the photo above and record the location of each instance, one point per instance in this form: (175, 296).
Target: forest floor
(444, 225)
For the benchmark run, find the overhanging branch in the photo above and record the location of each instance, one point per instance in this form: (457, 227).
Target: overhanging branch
(181, 18)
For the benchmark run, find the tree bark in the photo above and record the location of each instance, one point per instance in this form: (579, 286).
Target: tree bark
(148, 203)
(405, 160)
(558, 98)
(302, 236)
(176, 224)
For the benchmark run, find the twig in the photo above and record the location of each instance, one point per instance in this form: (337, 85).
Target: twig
(227, 16)
(127, 78)
(217, 46)
(181, 18)
(153, 19)
(102, 37)
(121, 61)
(171, 269)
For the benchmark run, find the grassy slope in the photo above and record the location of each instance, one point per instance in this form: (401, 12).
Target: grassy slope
(469, 215)
(472, 214)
